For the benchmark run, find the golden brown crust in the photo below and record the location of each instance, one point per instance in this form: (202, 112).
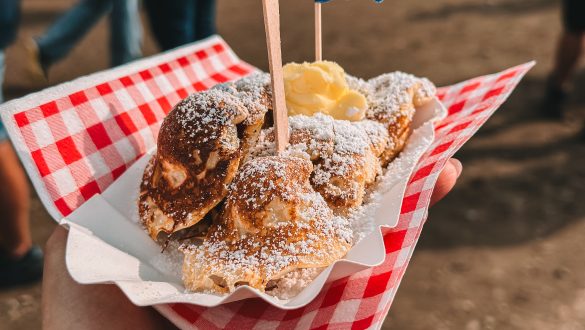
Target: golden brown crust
(282, 214)
(256, 96)
(200, 147)
(344, 154)
(392, 99)
(399, 132)
(262, 183)
(273, 223)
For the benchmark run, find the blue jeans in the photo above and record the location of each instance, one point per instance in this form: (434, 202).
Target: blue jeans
(125, 30)
(9, 18)
(2, 59)
(178, 22)
(3, 135)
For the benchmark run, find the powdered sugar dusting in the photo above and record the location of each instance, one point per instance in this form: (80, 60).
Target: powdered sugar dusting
(201, 113)
(338, 147)
(363, 218)
(254, 93)
(170, 261)
(392, 95)
(286, 218)
(291, 284)
(250, 246)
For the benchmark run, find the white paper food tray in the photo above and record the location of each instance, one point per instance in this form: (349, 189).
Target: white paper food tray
(108, 245)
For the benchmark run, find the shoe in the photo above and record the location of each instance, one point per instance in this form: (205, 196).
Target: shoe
(27, 269)
(554, 101)
(35, 67)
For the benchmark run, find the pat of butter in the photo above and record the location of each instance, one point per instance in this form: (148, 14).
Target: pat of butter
(321, 87)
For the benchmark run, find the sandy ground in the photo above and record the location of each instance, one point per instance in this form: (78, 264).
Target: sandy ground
(505, 249)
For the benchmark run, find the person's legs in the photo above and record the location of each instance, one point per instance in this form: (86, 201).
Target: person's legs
(125, 32)
(156, 13)
(20, 261)
(70, 305)
(171, 21)
(204, 19)
(569, 52)
(15, 238)
(2, 59)
(69, 29)
(9, 20)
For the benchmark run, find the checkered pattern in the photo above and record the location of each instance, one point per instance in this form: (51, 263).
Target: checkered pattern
(363, 300)
(76, 145)
(81, 142)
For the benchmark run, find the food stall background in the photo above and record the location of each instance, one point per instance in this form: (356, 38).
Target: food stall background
(504, 249)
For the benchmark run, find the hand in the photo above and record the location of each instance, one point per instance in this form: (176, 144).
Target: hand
(446, 180)
(68, 305)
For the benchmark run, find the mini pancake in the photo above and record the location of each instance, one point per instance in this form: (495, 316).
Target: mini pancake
(273, 224)
(201, 144)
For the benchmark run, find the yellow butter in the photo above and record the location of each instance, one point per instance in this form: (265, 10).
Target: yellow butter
(321, 87)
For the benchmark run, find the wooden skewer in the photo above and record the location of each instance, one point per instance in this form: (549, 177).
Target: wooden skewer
(318, 33)
(272, 27)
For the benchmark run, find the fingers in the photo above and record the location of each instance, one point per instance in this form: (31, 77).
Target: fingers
(56, 241)
(446, 180)
(55, 278)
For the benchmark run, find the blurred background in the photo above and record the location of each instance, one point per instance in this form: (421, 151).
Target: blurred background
(505, 249)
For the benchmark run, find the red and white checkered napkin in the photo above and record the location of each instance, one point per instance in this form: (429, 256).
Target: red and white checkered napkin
(76, 139)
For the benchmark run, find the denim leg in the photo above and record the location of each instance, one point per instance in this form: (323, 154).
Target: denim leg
(3, 135)
(70, 28)
(2, 59)
(204, 19)
(171, 21)
(9, 20)
(125, 32)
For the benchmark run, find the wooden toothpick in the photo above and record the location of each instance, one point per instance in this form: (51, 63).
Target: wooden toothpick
(272, 27)
(318, 33)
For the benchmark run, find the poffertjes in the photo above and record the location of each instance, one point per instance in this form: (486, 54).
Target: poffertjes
(275, 218)
(201, 145)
